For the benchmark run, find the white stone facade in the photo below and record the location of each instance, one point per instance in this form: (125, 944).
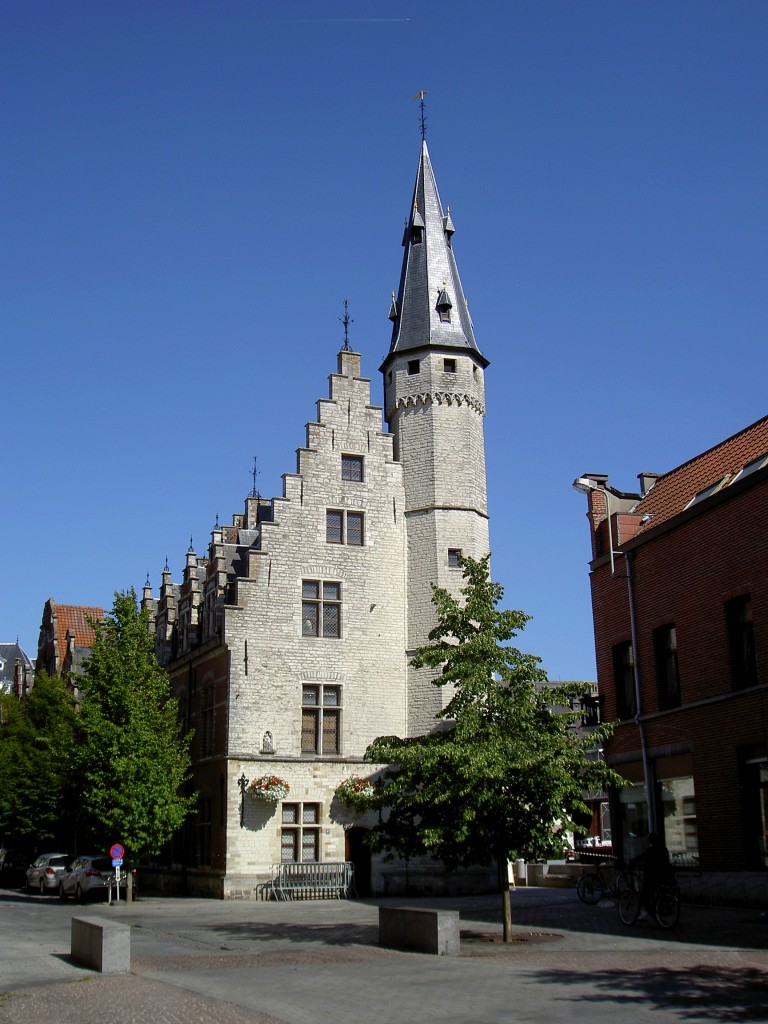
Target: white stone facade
(289, 645)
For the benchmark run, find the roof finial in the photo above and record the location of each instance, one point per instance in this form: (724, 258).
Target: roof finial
(346, 320)
(420, 97)
(254, 474)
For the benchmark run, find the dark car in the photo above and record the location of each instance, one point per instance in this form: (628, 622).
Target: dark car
(13, 867)
(88, 874)
(43, 876)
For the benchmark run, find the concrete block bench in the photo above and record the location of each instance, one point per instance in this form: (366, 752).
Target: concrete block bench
(422, 931)
(103, 945)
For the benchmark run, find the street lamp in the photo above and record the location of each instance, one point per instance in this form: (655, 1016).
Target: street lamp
(243, 784)
(585, 485)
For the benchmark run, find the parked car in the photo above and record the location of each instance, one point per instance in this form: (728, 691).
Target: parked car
(13, 866)
(88, 874)
(43, 876)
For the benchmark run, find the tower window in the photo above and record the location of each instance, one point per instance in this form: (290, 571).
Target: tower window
(352, 467)
(445, 314)
(417, 234)
(413, 367)
(320, 719)
(343, 527)
(321, 609)
(449, 365)
(454, 558)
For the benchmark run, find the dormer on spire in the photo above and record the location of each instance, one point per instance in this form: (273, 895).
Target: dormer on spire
(429, 270)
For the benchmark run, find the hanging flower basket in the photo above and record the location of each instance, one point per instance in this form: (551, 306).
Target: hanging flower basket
(270, 788)
(354, 788)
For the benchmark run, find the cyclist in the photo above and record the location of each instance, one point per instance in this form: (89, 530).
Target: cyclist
(657, 870)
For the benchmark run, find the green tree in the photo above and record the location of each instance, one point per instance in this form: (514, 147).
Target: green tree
(134, 759)
(503, 774)
(37, 787)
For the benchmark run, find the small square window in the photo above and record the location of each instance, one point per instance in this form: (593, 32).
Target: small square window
(352, 467)
(413, 367)
(449, 365)
(454, 558)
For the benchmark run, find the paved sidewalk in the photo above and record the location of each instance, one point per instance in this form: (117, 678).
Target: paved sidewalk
(308, 962)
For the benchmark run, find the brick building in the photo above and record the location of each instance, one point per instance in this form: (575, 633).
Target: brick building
(66, 637)
(679, 578)
(288, 643)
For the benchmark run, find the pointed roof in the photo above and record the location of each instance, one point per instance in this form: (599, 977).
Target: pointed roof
(430, 310)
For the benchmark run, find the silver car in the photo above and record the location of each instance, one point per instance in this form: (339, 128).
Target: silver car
(43, 876)
(86, 875)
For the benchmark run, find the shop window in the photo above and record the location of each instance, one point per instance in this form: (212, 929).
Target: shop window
(741, 642)
(624, 680)
(320, 719)
(300, 834)
(678, 802)
(667, 676)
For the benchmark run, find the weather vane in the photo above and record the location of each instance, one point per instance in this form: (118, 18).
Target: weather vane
(420, 97)
(254, 474)
(346, 320)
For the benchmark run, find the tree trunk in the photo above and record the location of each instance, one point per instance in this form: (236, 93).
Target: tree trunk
(506, 903)
(129, 886)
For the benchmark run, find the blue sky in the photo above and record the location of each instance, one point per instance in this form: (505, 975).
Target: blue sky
(190, 190)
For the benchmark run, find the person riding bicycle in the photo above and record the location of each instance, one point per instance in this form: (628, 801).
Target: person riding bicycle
(657, 869)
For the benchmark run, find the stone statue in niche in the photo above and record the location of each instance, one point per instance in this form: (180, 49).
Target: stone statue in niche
(267, 743)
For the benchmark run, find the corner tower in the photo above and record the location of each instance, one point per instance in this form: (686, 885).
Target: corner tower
(434, 402)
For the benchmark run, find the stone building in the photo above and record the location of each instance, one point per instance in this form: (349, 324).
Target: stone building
(680, 605)
(17, 671)
(288, 644)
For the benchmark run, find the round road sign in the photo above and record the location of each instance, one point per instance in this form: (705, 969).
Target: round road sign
(116, 851)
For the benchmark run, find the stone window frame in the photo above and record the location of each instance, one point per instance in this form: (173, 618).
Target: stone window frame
(326, 707)
(341, 533)
(317, 622)
(296, 834)
(353, 468)
(454, 558)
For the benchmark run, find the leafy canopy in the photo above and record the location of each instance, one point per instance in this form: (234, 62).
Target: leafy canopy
(503, 775)
(134, 759)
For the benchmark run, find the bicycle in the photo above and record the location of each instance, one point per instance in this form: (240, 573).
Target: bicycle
(663, 905)
(592, 886)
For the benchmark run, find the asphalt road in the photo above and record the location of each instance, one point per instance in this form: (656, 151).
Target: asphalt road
(316, 961)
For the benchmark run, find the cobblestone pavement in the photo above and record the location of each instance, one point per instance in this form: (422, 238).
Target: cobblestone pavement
(304, 963)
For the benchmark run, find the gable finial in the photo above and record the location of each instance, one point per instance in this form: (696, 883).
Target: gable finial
(346, 320)
(254, 474)
(420, 97)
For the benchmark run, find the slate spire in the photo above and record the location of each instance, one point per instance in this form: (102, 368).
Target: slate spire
(430, 310)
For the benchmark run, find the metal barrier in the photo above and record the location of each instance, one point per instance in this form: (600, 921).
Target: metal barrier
(312, 880)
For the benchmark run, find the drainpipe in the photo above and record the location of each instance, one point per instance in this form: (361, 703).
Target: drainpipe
(650, 791)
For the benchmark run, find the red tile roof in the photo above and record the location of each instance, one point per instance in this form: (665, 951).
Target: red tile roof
(673, 492)
(75, 619)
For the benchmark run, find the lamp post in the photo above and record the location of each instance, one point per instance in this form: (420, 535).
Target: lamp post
(243, 784)
(586, 486)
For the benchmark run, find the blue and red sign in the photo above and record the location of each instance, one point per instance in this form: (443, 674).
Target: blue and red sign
(117, 851)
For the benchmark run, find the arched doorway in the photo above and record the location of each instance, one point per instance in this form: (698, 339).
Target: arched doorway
(359, 852)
